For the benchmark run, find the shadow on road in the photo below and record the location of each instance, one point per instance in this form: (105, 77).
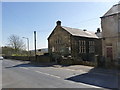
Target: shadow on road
(100, 79)
(32, 65)
(96, 76)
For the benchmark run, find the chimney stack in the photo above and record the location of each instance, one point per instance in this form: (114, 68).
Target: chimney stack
(84, 30)
(98, 30)
(58, 23)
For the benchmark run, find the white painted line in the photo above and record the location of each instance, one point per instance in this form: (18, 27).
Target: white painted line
(90, 85)
(67, 80)
(24, 68)
(48, 74)
(55, 76)
(84, 84)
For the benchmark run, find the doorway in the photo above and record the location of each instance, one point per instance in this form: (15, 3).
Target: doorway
(109, 51)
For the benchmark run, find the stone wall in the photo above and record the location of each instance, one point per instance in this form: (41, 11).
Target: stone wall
(109, 26)
(40, 59)
(85, 56)
(59, 42)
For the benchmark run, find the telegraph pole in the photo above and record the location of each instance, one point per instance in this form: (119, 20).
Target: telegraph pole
(35, 45)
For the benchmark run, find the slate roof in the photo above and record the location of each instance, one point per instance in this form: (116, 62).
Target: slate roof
(79, 32)
(114, 10)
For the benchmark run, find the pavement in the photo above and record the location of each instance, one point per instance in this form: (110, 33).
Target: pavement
(89, 69)
(103, 77)
(83, 68)
(17, 74)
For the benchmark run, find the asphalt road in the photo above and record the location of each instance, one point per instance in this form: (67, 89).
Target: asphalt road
(17, 74)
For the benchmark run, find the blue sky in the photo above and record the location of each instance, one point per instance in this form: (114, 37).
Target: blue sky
(23, 18)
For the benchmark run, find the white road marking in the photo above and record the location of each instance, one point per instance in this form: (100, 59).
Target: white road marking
(84, 84)
(48, 74)
(24, 68)
(67, 80)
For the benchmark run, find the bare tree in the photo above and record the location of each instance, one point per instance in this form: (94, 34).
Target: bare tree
(16, 43)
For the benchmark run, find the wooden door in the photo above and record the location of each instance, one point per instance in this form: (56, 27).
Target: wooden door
(109, 52)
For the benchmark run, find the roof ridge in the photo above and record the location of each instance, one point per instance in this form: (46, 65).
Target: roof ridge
(79, 32)
(117, 4)
(79, 29)
(113, 10)
(71, 27)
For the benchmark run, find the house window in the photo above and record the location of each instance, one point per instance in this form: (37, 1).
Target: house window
(82, 46)
(58, 41)
(53, 49)
(91, 46)
(55, 41)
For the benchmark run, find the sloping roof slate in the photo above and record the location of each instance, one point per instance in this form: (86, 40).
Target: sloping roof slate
(114, 10)
(79, 32)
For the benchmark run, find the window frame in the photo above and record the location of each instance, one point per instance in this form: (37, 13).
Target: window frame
(82, 46)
